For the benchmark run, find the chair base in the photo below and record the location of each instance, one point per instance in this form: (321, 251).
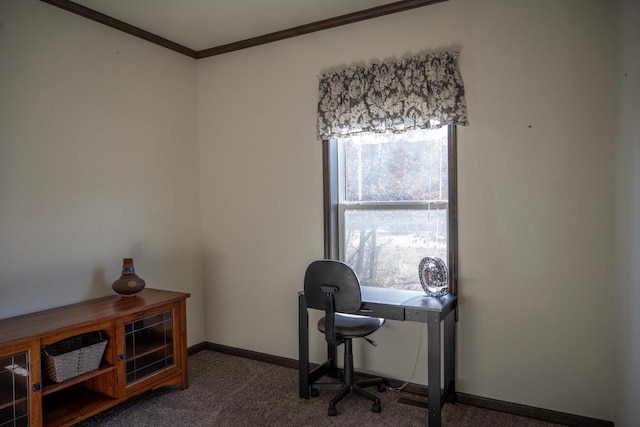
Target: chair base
(349, 385)
(356, 388)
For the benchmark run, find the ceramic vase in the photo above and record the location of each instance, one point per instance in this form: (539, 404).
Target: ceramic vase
(129, 283)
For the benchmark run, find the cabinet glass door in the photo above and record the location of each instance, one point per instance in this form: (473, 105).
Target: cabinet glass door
(149, 346)
(14, 390)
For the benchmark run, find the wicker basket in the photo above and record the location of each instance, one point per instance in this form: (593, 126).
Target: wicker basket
(74, 356)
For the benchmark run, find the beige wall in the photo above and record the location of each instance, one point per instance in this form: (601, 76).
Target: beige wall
(627, 295)
(536, 169)
(98, 161)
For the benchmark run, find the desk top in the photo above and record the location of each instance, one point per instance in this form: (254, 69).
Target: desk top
(403, 304)
(406, 298)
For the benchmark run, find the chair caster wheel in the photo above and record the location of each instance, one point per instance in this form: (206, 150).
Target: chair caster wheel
(376, 407)
(315, 392)
(333, 412)
(382, 388)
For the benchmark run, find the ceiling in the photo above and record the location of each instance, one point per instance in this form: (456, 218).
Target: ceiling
(203, 24)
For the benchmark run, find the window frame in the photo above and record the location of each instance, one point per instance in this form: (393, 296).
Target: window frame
(333, 211)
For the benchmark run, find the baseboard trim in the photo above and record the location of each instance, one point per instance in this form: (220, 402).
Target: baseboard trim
(419, 389)
(196, 348)
(248, 354)
(532, 412)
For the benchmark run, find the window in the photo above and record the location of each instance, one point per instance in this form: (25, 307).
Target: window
(389, 202)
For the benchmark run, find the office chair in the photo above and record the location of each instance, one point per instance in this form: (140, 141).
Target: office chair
(332, 286)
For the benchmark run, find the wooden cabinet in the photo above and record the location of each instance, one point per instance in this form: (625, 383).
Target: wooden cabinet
(146, 349)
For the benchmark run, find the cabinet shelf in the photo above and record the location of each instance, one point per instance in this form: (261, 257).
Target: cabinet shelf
(6, 399)
(148, 348)
(74, 404)
(11, 403)
(50, 387)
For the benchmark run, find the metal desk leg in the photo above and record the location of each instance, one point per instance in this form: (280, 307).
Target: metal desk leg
(303, 347)
(433, 369)
(450, 356)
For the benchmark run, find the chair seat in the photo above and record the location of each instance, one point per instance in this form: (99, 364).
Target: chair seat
(353, 326)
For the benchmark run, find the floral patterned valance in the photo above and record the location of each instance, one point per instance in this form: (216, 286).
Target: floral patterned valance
(415, 93)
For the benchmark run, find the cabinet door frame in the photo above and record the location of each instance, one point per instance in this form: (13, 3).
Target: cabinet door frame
(164, 376)
(32, 349)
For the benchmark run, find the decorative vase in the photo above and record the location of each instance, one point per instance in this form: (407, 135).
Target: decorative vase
(129, 283)
(434, 276)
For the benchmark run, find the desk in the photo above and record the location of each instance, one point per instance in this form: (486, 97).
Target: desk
(397, 304)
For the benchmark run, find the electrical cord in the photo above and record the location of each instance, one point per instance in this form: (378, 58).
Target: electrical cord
(415, 365)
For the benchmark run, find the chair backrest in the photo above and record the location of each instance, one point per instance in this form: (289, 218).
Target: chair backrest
(334, 277)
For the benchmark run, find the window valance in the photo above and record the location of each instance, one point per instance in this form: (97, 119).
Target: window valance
(415, 93)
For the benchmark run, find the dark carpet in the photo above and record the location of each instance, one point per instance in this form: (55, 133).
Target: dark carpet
(226, 390)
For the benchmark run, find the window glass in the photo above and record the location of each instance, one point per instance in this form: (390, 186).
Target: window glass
(392, 204)
(399, 167)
